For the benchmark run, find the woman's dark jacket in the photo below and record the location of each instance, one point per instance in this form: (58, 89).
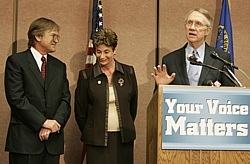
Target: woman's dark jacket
(92, 102)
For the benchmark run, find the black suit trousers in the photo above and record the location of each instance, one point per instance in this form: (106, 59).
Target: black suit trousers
(43, 158)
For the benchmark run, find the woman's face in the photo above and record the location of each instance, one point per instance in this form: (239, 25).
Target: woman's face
(105, 55)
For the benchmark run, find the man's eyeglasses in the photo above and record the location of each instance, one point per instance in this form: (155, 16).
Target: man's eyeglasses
(55, 36)
(196, 24)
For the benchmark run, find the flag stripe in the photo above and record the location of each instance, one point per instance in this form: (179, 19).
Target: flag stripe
(97, 24)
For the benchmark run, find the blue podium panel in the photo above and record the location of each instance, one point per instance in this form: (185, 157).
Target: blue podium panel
(205, 118)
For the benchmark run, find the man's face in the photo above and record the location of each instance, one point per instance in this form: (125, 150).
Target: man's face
(196, 28)
(47, 42)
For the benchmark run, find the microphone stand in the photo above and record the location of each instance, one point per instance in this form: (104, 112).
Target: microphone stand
(216, 56)
(214, 68)
(244, 73)
(232, 74)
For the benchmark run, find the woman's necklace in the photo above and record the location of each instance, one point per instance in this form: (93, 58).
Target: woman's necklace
(109, 73)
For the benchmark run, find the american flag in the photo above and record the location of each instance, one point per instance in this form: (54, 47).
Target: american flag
(97, 24)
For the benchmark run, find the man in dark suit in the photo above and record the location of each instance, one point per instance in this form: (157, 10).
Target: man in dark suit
(177, 70)
(38, 95)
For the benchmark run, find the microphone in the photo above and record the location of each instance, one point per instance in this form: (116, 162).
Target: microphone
(192, 58)
(216, 56)
(214, 68)
(210, 83)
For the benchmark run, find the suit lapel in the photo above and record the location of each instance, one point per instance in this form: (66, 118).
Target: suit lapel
(50, 70)
(207, 59)
(34, 68)
(181, 68)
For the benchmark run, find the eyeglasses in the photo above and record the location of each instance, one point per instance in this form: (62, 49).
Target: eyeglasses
(196, 24)
(55, 36)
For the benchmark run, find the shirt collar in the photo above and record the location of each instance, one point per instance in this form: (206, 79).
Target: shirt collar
(97, 69)
(36, 54)
(200, 50)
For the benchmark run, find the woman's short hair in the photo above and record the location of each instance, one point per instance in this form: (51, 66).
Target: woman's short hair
(105, 36)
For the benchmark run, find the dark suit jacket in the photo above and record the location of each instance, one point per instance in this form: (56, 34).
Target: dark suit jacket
(33, 100)
(176, 62)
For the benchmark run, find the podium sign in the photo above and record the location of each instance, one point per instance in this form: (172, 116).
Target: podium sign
(205, 118)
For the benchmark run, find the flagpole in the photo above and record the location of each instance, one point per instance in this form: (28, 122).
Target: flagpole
(14, 31)
(157, 33)
(157, 37)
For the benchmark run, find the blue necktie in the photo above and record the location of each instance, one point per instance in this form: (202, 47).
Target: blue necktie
(193, 71)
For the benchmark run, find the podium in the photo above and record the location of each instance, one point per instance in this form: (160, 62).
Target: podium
(215, 130)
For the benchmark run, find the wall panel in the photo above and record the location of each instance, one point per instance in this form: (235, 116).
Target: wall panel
(6, 17)
(135, 25)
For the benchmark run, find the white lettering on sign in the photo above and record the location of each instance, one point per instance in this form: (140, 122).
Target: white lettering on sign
(205, 127)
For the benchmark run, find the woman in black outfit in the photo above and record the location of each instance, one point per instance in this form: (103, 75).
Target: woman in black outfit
(106, 104)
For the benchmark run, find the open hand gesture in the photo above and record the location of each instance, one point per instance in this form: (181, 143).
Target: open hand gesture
(161, 75)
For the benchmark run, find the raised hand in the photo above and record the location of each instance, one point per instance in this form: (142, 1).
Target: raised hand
(161, 75)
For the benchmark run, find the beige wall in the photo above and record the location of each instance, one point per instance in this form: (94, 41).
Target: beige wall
(135, 23)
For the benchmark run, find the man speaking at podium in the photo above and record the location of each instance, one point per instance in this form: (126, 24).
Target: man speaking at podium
(176, 66)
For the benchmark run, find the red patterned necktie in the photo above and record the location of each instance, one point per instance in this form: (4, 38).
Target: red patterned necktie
(43, 69)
